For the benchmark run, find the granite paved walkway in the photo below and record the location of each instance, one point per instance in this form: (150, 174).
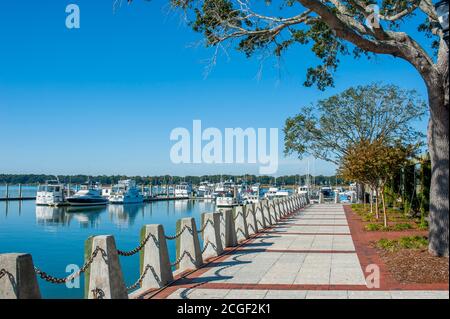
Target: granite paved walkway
(309, 255)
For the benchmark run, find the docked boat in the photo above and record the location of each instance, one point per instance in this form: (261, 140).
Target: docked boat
(326, 191)
(282, 193)
(228, 198)
(255, 188)
(126, 192)
(250, 198)
(52, 193)
(183, 190)
(271, 193)
(303, 189)
(88, 195)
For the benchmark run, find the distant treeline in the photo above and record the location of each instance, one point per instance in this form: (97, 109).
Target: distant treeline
(161, 180)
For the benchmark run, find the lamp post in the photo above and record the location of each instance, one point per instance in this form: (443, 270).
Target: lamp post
(442, 12)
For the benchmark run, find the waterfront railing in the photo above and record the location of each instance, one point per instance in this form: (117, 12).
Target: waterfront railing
(220, 231)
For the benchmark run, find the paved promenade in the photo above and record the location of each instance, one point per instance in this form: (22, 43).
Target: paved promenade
(309, 255)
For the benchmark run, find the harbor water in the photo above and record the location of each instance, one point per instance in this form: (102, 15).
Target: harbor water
(55, 236)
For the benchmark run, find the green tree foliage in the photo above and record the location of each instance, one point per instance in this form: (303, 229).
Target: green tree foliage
(364, 113)
(375, 163)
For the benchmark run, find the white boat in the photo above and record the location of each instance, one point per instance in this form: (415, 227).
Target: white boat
(226, 200)
(183, 190)
(203, 189)
(282, 193)
(125, 192)
(52, 193)
(303, 189)
(271, 193)
(229, 198)
(250, 198)
(255, 188)
(88, 195)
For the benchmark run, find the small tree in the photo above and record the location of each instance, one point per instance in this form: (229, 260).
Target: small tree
(375, 163)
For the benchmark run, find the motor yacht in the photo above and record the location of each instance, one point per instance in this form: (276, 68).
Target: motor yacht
(183, 190)
(88, 195)
(52, 193)
(125, 192)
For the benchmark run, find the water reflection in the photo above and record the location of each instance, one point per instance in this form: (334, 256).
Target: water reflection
(182, 205)
(124, 215)
(63, 216)
(51, 216)
(87, 217)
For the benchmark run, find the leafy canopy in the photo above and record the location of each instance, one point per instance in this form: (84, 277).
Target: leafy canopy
(374, 162)
(328, 128)
(331, 28)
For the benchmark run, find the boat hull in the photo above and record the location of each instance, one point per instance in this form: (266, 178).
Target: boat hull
(87, 201)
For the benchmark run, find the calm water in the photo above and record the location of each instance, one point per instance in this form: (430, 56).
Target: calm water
(55, 236)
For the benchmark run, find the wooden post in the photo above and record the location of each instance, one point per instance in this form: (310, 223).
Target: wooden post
(7, 191)
(20, 191)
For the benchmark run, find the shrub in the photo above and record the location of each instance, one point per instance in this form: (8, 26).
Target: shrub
(407, 242)
(413, 242)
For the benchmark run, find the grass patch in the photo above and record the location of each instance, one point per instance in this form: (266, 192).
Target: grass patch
(380, 227)
(407, 242)
(374, 227)
(401, 226)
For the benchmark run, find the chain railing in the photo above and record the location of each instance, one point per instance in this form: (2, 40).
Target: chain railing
(140, 279)
(179, 259)
(56, 280)
(138, 248)
(177, 234)
(205, 246)
(204, 226)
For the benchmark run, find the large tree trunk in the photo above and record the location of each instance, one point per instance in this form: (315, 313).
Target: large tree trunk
(438, 145)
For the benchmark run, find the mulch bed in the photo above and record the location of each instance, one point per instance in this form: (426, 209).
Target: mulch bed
(415, 266)
(411, 269)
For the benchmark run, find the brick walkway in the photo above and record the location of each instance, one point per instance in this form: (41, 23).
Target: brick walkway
(310, 255)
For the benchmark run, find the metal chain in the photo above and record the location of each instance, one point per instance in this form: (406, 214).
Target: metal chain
(98, 293)
(3, 272)
(178, 234)
(55, 280)
(140, 279)
(179, 259)
(237, 215)
(205, 245)
(204, 226)
(135, 250)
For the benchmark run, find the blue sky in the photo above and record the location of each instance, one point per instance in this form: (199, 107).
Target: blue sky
(103, 99)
